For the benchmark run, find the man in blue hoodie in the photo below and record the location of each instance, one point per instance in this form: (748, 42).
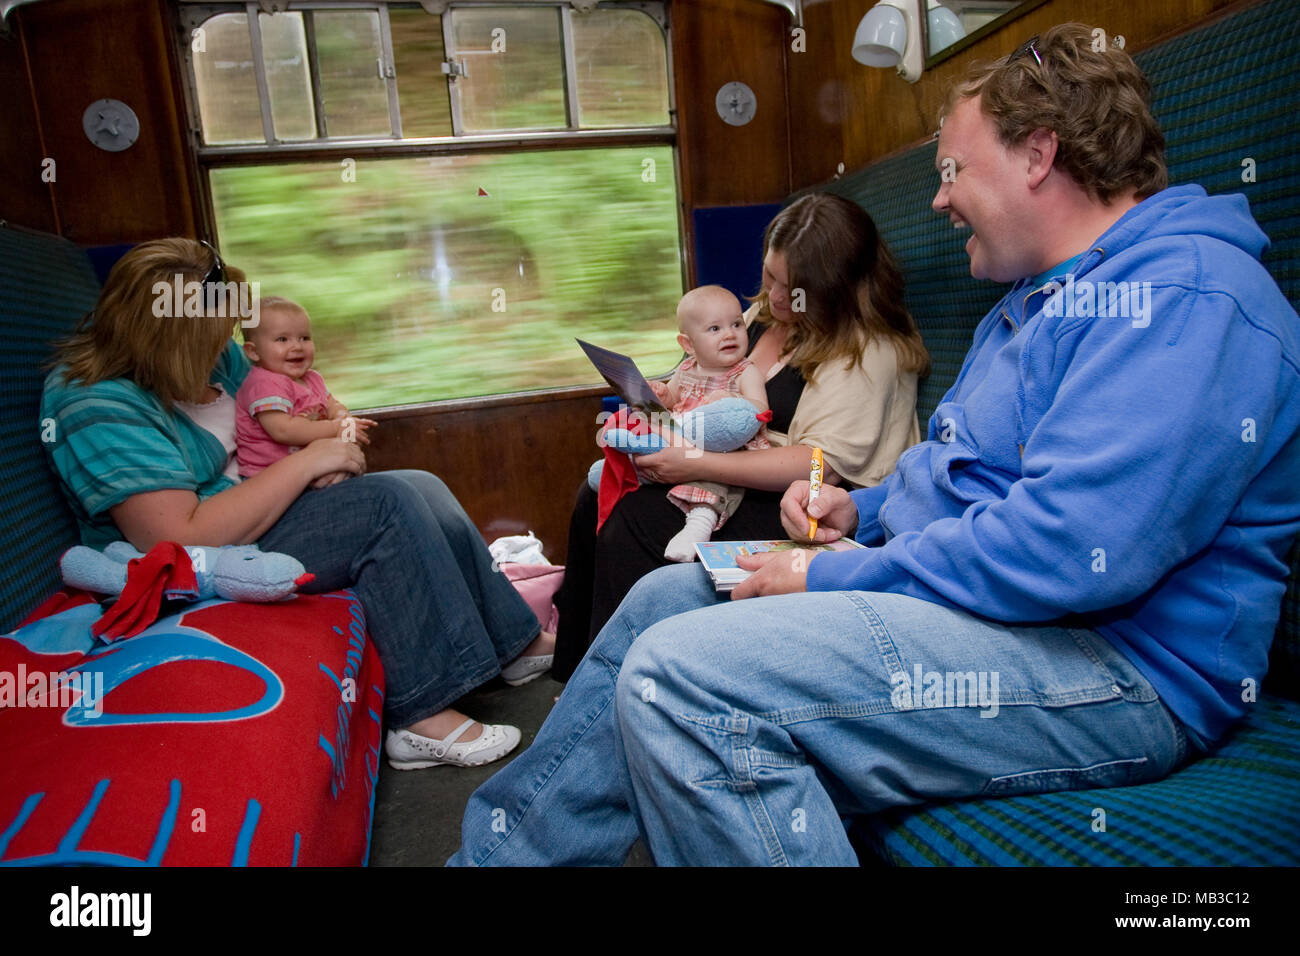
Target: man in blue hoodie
(1073, 582)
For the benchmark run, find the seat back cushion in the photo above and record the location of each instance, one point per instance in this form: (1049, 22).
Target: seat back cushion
(46, 285)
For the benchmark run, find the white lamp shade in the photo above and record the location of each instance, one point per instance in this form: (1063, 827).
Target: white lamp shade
(881, 37)
(945, 28)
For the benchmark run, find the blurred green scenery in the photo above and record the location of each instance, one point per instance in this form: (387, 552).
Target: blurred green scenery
(401, 269)
(460, 275)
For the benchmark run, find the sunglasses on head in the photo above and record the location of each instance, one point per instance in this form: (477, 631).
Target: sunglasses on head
(1025, 49)
(218, 271)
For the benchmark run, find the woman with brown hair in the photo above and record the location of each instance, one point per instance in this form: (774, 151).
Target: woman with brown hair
(143, 401)
(841, 358)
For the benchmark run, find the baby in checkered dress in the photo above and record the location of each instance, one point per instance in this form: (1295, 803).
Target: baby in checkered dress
(715, 339)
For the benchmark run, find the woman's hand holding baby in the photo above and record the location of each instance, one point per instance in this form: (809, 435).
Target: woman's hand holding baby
(672, 465)
(331, 460)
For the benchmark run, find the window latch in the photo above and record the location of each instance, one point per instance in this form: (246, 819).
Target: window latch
(454, 68)
(385, 72)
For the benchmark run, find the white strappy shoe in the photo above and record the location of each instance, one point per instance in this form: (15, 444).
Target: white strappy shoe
(408, 751)
(524, 669)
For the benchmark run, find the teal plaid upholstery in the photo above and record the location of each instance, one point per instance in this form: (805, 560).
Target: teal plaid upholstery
(1227, 93)
(946, 303)
(46, 285)
(1236, 807)
(1284, 660)
(1222, 94)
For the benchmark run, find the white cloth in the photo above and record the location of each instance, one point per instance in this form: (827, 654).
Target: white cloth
(517, 549)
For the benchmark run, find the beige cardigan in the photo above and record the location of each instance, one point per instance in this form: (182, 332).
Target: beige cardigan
(862, 418)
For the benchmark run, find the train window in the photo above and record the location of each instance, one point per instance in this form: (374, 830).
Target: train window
(614, 51)
(226, 83)
(419, 52)
(453, 198)
(514, 68)
(353, 94)
(284, 50)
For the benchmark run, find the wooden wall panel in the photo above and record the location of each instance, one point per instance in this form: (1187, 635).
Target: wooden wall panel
(85, 50)
(515, 463)
(715, 42)
(842, 111)
(24, 198)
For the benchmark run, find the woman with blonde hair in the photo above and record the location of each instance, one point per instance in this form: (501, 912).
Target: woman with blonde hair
(142, 398)
(841, 358)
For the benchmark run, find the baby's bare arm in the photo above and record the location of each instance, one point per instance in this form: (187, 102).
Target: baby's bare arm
(752, 388)
(291, 430)
(669, 393)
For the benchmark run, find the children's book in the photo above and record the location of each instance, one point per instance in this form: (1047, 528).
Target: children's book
(623, 377)
(719, 557)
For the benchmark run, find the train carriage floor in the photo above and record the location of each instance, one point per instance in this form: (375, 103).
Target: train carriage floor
(418, 812)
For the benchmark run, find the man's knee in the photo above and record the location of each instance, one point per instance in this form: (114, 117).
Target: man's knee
(667, 661)
(636, 680)
(642, 686)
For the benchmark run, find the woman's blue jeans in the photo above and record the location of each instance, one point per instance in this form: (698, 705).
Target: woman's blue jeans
(740, 733)
(442, 618)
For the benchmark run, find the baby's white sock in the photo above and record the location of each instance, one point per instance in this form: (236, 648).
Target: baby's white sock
(699, 527)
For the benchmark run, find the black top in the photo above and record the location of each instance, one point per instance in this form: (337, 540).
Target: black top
(783, 389)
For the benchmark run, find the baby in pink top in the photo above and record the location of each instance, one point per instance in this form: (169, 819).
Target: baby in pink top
(283, 403)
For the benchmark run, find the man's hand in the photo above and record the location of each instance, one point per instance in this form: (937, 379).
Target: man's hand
(836, 514)
(775, 572)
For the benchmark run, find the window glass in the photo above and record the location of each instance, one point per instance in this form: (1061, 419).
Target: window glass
(288, 76)
(514, 60)
(514, 57)
(452, 276)
(349, 54)
(226, 84)
(622, 69)
(421, 85)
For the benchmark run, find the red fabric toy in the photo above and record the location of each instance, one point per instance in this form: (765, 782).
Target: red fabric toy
(166, 569)
(619, 475)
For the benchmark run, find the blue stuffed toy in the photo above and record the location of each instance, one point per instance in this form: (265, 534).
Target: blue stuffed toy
(724, 425)
(236, 572)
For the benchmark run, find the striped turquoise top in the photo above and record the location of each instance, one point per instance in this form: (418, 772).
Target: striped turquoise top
(112, 440)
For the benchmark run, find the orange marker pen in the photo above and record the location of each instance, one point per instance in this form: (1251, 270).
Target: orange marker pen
(814, 487)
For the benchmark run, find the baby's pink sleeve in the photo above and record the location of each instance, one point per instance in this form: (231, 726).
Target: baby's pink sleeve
(264, 391)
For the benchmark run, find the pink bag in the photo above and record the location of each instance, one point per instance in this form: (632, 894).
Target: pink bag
(537, 584)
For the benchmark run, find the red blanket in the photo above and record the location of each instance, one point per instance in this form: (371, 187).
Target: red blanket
(228, 734)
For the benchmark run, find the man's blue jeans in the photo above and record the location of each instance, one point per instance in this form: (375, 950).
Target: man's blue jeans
(442, 618)
(742, 732)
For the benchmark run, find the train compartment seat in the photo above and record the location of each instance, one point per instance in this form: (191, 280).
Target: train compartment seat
(225, 734)
(1223, 94)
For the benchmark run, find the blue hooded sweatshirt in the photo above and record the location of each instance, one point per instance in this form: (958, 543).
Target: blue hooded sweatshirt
(1124, 457)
